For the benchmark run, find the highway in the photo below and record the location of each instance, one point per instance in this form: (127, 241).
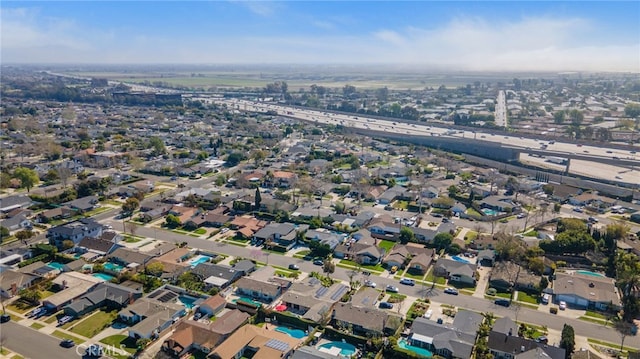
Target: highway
(612, 156)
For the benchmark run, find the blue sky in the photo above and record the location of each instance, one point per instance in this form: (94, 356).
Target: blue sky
(477, 35)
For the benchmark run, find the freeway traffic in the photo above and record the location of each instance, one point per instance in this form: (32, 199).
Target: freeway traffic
(551, 148)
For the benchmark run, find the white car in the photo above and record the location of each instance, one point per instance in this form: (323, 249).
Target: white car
(562, 305)
(428, 313)
(369, 283)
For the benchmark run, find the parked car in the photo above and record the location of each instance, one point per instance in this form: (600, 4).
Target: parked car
(64, 320)
(440, 321)
(451, 291)
(593, 220)
(407, 281)
(521, 215)
(294, 267)
(366, 272)
(394, 269)
(542, 339)
(386, 305)
(392, 289)
(369, 283)
(428, 313)
(562, 305)
(5, 318)
(502, 302)
(318, 262)
(67, 343)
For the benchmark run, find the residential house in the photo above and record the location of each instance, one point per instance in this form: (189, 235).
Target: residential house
(251, 341)
(74, 231)
(174, 262)
(69, 286)
(216, 275)
(498, 204)
(364, 320)
(586, 291)
(482, 242)
(449, 341)
(212, 305)
(149, 317)
(83, 204)
(190, 335)
(307, 352)
(12, 282)
(183, 213)
(259, 290)
(505, 346)
(423, 235)
(383, 227)
(129, 258)
(104, 294)
(359, 252)
(155, 213)
(311, 300)
(282, 234)
(486, 257)
(98, 246)
(456, 272)
(420, 264)
(40, 269)
(55, 214)
(8, 204)
(284, 179)
(505, 325)
(247, 227)
(401, 255)
(325, 237)
(16, 223)
(506, 276)
(365, 298)
(209, 219)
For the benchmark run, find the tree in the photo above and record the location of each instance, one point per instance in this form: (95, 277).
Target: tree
(328, 266)
(24, 234)
(158, 146)
(624, 329)
(189, 280)
(4, 233)
(143, 342)
(173, 221)
(558, 117)
(28, 177)
(130, 205)
(442, 240)
(67, 244)
(258, 156)
(52, 176)
(234, 159)
(258, 199)
(632, 110)
(155, 269)
(568, 340)
(30, 295)
(406, 235)
(319, 249)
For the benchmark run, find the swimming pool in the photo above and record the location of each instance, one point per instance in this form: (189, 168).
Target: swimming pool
(247, 300)
(346, 349)
(459, 259)
(106, 277)
(56, 265)
(187, 301)
(402, 343)
(112, 267)
(198, 259)
(489, 212)
(294, 333)
(586, 272)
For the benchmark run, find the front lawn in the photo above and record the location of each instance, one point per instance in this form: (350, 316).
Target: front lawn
(431, 278)
(374, 268)
(63, 335)
(387, 245)
(129, 239)
(597, 315)
(36, 325)
(403, 205)
(94, 324)
(527, 298)
(396, 298)
(121, 341)
(200, 231)
(301, 254)
(414, 276)
(20, 306)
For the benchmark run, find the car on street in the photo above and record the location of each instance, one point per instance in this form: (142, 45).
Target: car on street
(5, 318)
(318, 261)
(521, 215)
(392, 289)
(562, 305)
(366, 272)
(407, 281)
(452, 291)
(67, 343)
(593, 220)
(370, 284)
(386, 305)
(294, 267)
(502, 302)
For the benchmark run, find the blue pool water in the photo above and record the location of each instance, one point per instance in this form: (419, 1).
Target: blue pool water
(489, 212)
(402, 343)
(113, 267)
(198, 259)
(187, 301)
(459, 259)
(295, 333)
(586, 272)
(56, 265)
(106, 277)
(346, 349)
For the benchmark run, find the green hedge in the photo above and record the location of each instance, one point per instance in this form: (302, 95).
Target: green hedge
(335, 334)
(42, 257)
(292, 320)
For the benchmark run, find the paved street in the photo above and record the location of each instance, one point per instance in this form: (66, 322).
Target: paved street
(34, 345)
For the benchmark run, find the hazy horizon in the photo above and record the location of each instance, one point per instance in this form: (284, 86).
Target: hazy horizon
(438, 36)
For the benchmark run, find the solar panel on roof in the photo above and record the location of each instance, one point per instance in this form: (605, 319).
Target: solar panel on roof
(338, 293)
(277, 345)
(320, 292)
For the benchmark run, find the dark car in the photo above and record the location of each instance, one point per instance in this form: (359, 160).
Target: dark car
(5, 318)
(542, 339)
(318, 262)
(293, 267)
(386, 305)
(366, 272)
(503, 302)
(67, 343)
